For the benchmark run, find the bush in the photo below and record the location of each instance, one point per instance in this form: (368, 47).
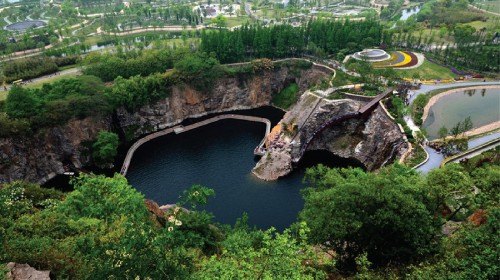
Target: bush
(418, 108)
(286, 97)
(386, 215)
(199, 70)
(105, 148)
(58, 102)
(137, 91)
(28, 68)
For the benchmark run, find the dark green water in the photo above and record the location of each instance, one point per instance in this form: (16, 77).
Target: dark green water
(220, 156)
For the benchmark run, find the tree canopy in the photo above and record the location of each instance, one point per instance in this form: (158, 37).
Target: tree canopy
(387, 215)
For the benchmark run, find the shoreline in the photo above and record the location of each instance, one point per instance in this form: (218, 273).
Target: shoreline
(180, 129)
(473, 132)
(485, 129)
(436, 97)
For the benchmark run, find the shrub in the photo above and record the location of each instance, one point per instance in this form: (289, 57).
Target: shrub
(105, 148)
(287, 97)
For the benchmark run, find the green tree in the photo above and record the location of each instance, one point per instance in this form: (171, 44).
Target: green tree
(220, 21)
(251, 254)
(451, 189)
(199, 69)
(443, 132)
(20, 103)
(470, 253)
(385, 215)
(105, 148)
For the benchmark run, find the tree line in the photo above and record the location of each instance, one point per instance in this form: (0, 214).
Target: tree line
(32, 67)
(316, 37)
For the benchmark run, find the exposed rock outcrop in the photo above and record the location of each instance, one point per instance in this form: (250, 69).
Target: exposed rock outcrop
(372, 140)
(232, 93)
(19, 271)
(53, 151)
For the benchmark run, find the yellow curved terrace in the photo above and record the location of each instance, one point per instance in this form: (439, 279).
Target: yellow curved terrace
(406, 60)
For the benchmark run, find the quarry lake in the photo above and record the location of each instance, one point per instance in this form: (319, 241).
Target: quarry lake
(220, 156)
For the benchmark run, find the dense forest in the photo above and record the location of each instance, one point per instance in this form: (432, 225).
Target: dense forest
(380, 225)
(316, 37)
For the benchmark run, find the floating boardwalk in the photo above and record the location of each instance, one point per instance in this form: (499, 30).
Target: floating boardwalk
(259, 150)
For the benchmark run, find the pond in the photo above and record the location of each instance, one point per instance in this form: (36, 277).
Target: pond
(220, 156)
(482, 105)
(407, 13)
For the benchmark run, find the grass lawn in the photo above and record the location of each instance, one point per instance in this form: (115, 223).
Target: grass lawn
(235, 21)
(427, 71)
(492, 6)
(3, 95)
(417, 156)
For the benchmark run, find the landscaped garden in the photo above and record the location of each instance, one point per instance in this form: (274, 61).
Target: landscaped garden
(399, 59)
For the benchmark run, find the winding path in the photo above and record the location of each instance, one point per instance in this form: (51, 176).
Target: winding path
(180, 129)
(475, 151)
(70, 71)
(424, 89)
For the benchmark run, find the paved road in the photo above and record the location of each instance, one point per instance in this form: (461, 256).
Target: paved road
(6, 19)
(486, 11)
(478, 152)
(75, 70)
(483, 139)
(436, 158)
(426, 88)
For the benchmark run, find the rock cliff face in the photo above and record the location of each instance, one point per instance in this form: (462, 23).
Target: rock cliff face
(52, 151)
(232, 93)
(372, 140)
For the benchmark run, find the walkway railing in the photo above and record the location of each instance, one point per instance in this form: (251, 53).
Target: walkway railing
(473, 152)
(259, 150)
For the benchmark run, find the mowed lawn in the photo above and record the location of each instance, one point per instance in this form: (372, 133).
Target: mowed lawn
(428, 71)
(3, 95)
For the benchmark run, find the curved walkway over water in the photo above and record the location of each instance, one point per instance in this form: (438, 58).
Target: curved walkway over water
(179, 129)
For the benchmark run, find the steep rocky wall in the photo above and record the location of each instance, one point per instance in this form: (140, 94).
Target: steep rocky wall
(233, 93)
(374, 140)
(40, 158)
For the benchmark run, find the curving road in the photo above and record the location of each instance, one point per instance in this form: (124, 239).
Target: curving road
(76, 71)
(424, 89)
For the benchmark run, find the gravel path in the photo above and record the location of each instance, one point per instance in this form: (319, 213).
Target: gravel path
(69, 71)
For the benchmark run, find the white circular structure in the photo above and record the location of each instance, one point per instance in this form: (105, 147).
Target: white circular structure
(372, 55)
